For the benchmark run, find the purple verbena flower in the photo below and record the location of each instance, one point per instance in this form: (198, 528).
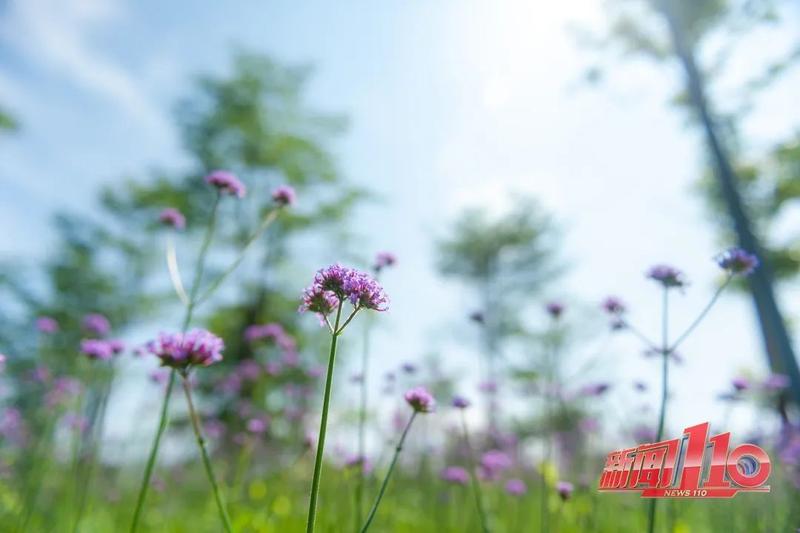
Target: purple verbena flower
(478, 317)
(284, 195)
(257, 425)
(459, 402)
(455, 475)
(516, 487)
(335, 284)
(555, 309)
(97, 349)
(493, 462)
(409, 368)
(613, 305)
(173, 218)
(564, 489)
(420, 400)
(96, 324)
(47, 324)
(197, 347)
(737, 261)
(740, 383)
(383, 260)
(776, 382)
(594, 389)
(226, 183)
(668, 276)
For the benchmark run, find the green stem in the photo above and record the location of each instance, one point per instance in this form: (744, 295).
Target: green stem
(665, 353)
(385, 483)
(476, 486)
(701, 316)
(312, 505)
(201, 443)
(362, 422)
(164, 418)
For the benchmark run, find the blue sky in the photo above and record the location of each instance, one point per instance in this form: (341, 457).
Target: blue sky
(451, 103)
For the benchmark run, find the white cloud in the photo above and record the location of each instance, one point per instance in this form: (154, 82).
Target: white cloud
(55, 35)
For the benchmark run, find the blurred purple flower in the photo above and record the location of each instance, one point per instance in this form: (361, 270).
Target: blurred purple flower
(613, 305)
(420, 400)
(589, 425)
(41, 374)
(460, 402)
(776, 382)
(740, 383)
(383, 260)
(226, 183)
(96, 324)
(555, 309)
(516, 487)
(173, 218)
(408, 368)
(487, 387)
(493, 463)
(564, 489)
(284, 195)
(644, 434)
(455, 475)
(667, 276)
(737, 261)
(178, 350)
(595, 389)
(47, 324)
(478, 317)
(640, 386)
(257, 426)
(97, 349)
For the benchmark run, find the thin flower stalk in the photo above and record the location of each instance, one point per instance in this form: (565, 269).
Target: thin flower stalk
(474, 482)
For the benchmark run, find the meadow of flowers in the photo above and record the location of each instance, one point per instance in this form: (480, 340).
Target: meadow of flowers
(262, 463)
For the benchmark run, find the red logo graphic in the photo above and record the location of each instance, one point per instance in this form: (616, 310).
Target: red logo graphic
(692, 466)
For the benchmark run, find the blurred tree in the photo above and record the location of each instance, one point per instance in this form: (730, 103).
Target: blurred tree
(7, 121)
(678, 30)
(504, 261)
(254, 122)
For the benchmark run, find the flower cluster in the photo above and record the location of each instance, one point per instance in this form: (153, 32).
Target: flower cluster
(226, 183)
(613, 306)
(178, 350)
(100, 349)
(455, 475)
(493, 463)
(335, 284)
(668, 276)
(738, 261)
(420, 400)
(564, 489)
(555, 309)
(272, 331)
(173, 218)
(46, 324)
(96, 324)
(459, 402)
(516, 487)
(284, 196)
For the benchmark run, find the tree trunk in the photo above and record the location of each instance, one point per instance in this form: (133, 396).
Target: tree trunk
(776, 339)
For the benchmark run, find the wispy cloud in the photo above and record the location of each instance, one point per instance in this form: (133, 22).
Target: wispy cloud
(56, 35)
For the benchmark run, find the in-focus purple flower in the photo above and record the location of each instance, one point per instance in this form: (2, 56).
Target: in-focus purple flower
(555, 309)
(667, 276)
(96, 324)
(197, 347)
(516, 487)
(97, 349)
(740, 383)
(47, 324)
(564, 489)
(455, 475)
(737, 261)
(173, 218)
(613, 305)
(336, 284)
(776, 382)
(384, 260)
(226, 183)
(420, 400)
(284, 195)
(459, 402)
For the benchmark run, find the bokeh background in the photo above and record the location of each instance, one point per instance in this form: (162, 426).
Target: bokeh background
(400, 117)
